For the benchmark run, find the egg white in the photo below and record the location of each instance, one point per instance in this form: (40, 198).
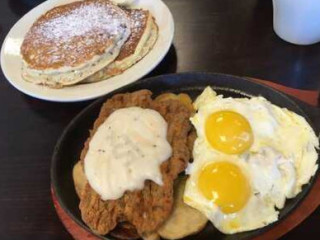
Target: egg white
(281, 160)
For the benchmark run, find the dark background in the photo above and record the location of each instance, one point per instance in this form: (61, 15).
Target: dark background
(228, 36)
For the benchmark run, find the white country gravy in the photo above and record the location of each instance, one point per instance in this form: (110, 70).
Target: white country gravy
(127, 149)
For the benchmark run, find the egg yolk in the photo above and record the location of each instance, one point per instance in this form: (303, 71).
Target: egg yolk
(228, 132)
(224, 184)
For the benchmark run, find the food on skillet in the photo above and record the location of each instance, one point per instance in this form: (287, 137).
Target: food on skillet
(182, 97)
(123, 230)
(141, 146)
(79, 178)
(85, 41)
(184, 220)
(248, 158)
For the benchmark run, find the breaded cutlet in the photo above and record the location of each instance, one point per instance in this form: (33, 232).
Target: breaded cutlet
(148, 208)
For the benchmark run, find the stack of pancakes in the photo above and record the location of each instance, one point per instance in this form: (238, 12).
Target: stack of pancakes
(85, 41)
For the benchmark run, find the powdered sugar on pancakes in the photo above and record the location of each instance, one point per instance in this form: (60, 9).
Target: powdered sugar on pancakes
(138, 22)
(144, 33)
(70, 35)
(83, 20)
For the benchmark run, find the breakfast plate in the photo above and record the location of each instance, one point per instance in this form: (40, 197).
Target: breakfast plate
(11, 60)
(68, 148)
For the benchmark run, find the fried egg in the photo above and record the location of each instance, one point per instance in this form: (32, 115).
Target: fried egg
(249, 157)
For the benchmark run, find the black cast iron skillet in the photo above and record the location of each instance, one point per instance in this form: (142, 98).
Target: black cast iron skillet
(69, 146)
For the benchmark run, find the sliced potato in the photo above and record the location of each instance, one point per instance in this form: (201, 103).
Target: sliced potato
(184, 219)
(151, 236)
(166, 96)
(79, 178)
(184, 98)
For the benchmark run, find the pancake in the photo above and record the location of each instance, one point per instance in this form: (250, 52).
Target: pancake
(71, 42)
(144, 33)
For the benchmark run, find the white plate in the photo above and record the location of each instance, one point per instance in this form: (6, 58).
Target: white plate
(11, 61)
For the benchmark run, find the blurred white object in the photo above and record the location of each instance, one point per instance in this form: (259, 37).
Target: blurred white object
(297, 21)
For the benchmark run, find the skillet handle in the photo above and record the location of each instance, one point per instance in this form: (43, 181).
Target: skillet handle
(308, 96)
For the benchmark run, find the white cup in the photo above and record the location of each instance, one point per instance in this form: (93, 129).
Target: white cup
(297, 21)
